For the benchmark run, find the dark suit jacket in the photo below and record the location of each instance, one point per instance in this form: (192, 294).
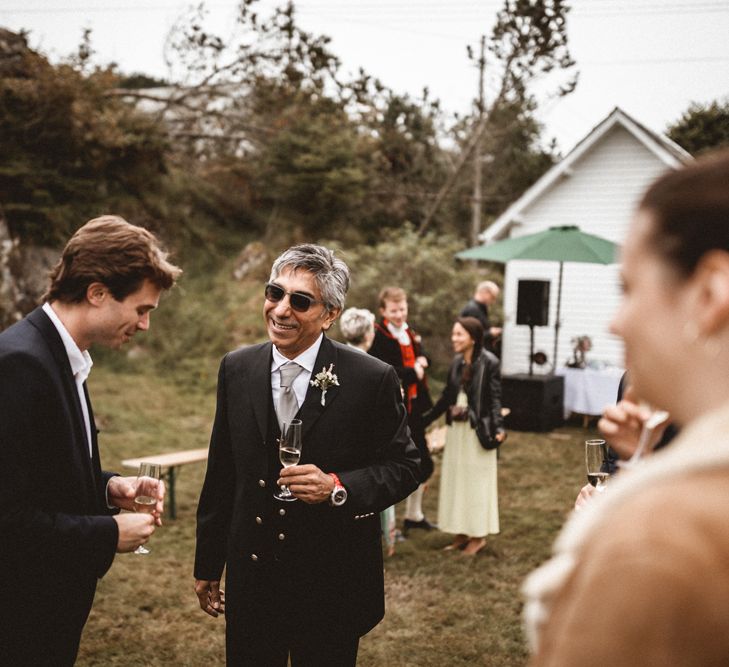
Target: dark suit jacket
(481, 312)
(386, 347)
(331, 557)
(56, 535)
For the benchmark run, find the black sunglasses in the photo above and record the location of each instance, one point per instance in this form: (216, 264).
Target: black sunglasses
(299, 302)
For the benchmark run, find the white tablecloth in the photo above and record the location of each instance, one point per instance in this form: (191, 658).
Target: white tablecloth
(587, 391)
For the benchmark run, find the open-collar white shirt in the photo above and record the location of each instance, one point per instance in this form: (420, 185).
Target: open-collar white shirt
(306, 360)
(400, 333)
(80, 362)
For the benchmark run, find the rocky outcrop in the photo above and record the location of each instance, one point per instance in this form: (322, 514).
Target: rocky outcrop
(8, 285)
(253, 261)
(23, 275)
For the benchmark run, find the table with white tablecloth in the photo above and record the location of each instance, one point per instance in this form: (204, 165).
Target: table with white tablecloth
(587, 391)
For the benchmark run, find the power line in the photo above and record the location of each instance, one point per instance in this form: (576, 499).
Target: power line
(657, 61)
(453, 10)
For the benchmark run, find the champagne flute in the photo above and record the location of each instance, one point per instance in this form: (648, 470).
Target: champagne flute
(595, 457)
(289, 453)
(146, 492)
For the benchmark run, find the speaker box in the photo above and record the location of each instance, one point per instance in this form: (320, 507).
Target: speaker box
(536, 401)
(532, 304)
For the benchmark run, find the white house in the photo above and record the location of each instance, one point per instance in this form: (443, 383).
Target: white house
(595, 187)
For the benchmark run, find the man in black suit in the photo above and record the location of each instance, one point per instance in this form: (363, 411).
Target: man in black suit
(303, 578)
(58, 526)
(485, 295)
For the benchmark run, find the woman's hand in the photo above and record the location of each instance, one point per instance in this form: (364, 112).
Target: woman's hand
(621, 424)
(584, 496)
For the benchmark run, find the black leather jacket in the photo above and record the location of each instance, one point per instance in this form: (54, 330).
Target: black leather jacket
(484, 391)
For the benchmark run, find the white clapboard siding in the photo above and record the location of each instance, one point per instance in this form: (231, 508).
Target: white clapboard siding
(598, 193)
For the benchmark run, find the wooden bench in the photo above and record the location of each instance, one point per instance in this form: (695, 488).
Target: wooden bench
(169, 464)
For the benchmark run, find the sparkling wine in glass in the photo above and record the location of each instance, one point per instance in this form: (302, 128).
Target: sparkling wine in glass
(146, 492)
(289, 453)
(595, 458)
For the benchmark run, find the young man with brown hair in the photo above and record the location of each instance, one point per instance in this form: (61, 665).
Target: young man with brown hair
(59, 520)
(397, 344)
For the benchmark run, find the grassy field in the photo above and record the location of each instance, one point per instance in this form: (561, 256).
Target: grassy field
(442, 609)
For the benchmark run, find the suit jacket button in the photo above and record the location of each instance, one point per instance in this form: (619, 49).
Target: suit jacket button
(261, 483)
(259, 521)
(254, 557)
(282, 512)
(281, 536)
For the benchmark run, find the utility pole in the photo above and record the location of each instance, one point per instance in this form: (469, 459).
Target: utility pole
(477, 194)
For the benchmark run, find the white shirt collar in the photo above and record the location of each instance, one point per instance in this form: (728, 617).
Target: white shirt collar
(400, 333)
(81, 362)
(306, 359)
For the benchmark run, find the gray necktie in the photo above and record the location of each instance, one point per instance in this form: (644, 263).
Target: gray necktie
(287, 403)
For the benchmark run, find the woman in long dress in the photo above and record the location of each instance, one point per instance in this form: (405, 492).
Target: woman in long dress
(468, 503)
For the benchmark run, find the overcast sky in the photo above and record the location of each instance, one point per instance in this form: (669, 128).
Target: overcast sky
(650, 57)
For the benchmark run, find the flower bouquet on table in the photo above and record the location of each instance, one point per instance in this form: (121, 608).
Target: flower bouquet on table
(581, 345)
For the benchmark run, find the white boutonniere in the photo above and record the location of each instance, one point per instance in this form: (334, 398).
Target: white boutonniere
(324, 380)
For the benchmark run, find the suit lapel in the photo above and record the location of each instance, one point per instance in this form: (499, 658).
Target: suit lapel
(260, 388)
(95, 458)
(312, 408)
(81, 449)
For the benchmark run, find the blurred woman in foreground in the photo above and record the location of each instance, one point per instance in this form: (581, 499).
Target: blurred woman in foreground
(468, 502)
(641, 576)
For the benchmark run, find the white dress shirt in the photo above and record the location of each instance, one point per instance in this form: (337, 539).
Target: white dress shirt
(306, 360)
(400, 333)
(81, 364)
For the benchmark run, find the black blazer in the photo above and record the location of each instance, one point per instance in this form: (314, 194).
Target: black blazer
(58, 536)
(484, 391)
(335, 553)
(386, 348)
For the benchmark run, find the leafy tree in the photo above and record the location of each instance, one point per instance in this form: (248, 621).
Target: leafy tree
(702, 127)
(321, 154)
(309, 172)
(139, 80)
(407, 161)
(529, 41)
(68, 149)
(436, 283)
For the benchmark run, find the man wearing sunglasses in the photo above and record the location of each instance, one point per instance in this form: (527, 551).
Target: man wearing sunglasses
(303, 579)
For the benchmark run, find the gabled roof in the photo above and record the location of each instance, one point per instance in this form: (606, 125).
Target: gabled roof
(667, 151)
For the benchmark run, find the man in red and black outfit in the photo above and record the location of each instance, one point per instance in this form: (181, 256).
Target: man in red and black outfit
(397, 344)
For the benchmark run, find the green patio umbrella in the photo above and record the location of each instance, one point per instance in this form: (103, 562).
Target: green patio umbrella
(557, 244)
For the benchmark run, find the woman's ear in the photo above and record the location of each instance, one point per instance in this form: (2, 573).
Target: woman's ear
(711, 279)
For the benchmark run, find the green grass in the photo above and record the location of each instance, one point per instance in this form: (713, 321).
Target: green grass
(442, 609)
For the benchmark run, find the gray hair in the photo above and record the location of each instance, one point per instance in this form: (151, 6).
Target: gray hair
(355, 324)
(330, 272)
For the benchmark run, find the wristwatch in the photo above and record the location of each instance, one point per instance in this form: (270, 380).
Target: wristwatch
(339, 493)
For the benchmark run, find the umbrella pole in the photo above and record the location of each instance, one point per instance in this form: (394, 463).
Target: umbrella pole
(556, 319)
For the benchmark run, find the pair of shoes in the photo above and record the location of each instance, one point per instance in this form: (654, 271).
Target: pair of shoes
(423, 524)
